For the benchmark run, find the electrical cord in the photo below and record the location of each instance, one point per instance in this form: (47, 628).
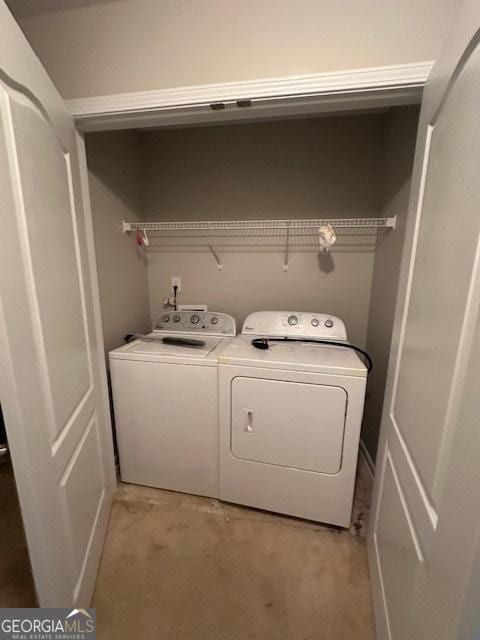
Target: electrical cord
(263, 343)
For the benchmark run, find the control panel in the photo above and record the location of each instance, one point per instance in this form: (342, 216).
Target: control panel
(205, 322)
(299, 324)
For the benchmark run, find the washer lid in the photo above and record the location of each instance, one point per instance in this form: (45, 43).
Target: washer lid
(294, 355)
(156, 348)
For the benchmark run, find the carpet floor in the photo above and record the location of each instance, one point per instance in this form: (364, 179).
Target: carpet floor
(181, 567)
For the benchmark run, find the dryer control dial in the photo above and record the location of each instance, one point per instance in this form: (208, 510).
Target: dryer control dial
(329, 323)
(315, 322)
(292, 320)
(195, 319)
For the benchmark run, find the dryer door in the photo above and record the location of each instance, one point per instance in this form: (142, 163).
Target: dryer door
(289, 424)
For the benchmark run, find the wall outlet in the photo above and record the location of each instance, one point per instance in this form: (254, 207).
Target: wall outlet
(177, 281)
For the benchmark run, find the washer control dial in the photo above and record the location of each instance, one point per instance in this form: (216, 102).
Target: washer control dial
(165, 318)
(292, 320)
(329, 323)
(176, 318)
(315, 322)
(195, 319)
(214, 320)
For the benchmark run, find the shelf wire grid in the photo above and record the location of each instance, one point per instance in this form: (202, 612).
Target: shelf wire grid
(353, 234)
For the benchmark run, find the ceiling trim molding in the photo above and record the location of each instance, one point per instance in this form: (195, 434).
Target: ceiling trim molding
(379, 86)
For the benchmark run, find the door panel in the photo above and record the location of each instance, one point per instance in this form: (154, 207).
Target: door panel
(83, 495)
(52, 378)
(290, 424)
(452, 583)
(425, 528)
(51, 253)
(398, 550)
(444, 267)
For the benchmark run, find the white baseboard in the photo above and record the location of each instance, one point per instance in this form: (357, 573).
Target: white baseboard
(367, 459)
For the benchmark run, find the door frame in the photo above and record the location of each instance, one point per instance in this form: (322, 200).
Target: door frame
(288, 96)
(95, 289)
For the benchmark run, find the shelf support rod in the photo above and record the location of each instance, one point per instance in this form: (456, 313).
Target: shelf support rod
(214, 249)
(287, 248)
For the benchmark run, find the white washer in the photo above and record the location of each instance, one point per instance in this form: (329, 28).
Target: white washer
(290, 418)
(165, 399)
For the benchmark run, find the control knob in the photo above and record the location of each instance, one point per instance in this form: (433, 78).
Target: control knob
(176, 318)
(195, 319)
(292, 320)
(214, 320)
(315, 322)
(329, 323)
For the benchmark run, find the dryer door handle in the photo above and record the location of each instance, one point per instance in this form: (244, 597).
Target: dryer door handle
(248, 426)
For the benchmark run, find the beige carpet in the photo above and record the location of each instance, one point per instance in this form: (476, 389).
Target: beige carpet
(178, 567)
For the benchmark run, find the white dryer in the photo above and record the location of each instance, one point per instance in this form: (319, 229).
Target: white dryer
(290, 417)
(165, 396)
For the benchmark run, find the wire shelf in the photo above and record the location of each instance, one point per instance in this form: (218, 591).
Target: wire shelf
(295, 223)
(223, 236)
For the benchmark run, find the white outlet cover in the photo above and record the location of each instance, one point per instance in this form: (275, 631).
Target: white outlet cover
(177, 280)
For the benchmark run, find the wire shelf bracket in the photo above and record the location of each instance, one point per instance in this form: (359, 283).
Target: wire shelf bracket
(214, 249)
(287, 249)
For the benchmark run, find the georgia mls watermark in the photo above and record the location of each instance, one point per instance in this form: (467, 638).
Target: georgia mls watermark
(48, 624)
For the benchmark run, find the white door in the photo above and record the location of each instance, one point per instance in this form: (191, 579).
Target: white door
(425, 527)
(52, 384)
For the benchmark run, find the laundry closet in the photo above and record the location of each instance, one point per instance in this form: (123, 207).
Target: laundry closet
(350, 167)
(213, 226)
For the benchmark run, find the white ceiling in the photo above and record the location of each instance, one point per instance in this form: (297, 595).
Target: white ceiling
(34, 7)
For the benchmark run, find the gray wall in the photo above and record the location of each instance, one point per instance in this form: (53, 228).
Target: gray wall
(399, 152)
(323, 167)
(115, 191)
(135, 45)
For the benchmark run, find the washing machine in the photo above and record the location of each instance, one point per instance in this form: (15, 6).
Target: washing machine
(290, 416)
(165, 397)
